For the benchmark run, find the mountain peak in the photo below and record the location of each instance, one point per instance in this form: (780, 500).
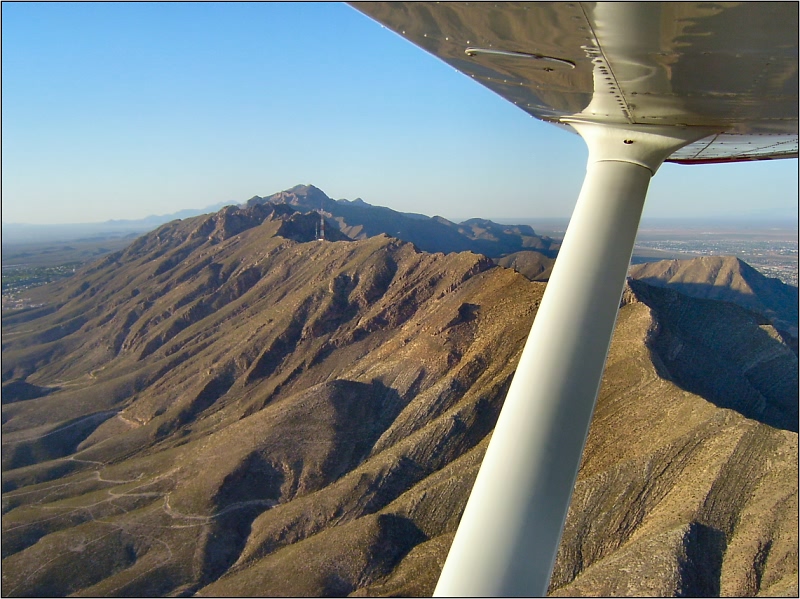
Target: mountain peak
(303, 189)
(302, 196)
(725, 278)
(715, 271)
(250, 414)
(358, 219)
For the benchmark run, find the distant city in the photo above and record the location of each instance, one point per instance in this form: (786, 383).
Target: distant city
(769, 247)
(776, 258)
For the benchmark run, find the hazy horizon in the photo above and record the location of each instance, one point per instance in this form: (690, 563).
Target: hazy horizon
(20, 234)
(752, 219)
(788, 220)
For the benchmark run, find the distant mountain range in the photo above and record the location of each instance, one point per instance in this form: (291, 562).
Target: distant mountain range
(356, 219)
(359, 220)
(232, 407)
(110, 229)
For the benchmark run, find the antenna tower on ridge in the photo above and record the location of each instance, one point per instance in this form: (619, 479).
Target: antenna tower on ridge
(321, 221)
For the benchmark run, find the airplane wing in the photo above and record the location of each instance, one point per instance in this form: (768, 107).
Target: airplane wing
(728, 65)
(642, 83)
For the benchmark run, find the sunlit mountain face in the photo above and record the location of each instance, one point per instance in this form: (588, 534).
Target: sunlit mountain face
(233, 406)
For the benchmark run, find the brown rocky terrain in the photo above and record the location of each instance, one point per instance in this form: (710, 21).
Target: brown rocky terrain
(359, 220)
(232, 408)
(532, 264)
(729, 279)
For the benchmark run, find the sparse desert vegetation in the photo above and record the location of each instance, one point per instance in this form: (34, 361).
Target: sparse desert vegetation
(230, 407)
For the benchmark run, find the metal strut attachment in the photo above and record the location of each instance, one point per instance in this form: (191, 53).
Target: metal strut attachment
(509, 534)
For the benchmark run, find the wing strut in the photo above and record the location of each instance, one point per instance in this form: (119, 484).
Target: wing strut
(509, 534)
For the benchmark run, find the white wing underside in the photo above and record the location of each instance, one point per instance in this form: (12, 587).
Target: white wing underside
(730, 66)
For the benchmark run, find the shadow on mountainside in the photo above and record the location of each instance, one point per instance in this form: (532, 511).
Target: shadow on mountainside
(729, 279)
(730, 356)
(704, 548)
(778, 304)
(295, 448)
(13, 391)
(248, 414)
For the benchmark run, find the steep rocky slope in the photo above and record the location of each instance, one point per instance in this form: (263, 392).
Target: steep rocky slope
(726, 278)
(229, 407)
(532, 264)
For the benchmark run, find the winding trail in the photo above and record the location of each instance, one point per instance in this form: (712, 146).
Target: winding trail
(113, 515)
(206, 519)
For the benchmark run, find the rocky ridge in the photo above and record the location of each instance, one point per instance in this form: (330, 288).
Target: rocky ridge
(359, 220)
(230, 407)
(729, 279)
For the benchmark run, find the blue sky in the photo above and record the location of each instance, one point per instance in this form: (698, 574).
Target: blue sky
(117, 110)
